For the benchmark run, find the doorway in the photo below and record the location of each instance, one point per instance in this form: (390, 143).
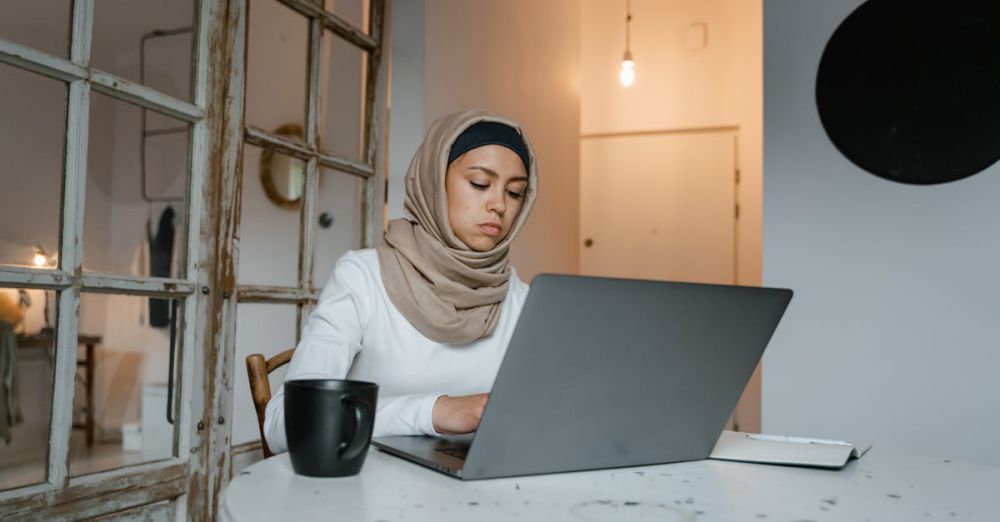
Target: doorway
(664, 205)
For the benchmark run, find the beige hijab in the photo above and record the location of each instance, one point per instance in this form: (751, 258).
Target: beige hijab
(448, 292)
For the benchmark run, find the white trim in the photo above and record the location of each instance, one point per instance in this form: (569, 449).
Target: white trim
(145, 97)
(36, 61)
(26, 491)
(657, 132)
(346, 166)
(266, 140)
(25, 277)
(81, 32)
(307, 217)
(335, 24)
(275, 294)
(108, 283)
(376, 124)
(70, 260)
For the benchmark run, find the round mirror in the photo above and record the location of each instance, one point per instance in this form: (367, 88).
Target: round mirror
(283, 176)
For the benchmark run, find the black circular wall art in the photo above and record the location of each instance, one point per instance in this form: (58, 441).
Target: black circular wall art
(910, 90)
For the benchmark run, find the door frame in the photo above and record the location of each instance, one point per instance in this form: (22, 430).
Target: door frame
(746, 415)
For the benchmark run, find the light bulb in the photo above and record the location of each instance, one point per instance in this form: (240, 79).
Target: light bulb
(627, 73)
(40, 260)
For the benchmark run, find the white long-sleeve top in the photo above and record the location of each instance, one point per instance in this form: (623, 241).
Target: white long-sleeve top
(355, 332)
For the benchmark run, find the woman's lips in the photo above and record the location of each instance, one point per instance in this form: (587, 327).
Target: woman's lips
(490, 230)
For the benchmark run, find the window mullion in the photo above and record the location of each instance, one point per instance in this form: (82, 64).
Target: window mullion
(135, 285)
(25, 277)
(334, 23)
(36, 61)
(82, 29)
(376, 128)
(213, 357)
(273, 142)
(307, 235)
(361, 170)
(275, 294)
(71, 247)
(145, 97)
(191, 400)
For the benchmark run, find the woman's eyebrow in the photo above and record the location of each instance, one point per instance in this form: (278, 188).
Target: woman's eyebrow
(492, 173)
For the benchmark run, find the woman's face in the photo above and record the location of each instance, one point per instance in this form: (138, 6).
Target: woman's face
(486, 188)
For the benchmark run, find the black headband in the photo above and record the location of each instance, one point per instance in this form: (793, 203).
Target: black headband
(490, 133)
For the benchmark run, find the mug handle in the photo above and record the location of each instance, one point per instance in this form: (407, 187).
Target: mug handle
(363, 425)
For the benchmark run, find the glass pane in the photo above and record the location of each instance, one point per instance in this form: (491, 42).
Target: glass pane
(120, 416)
(342, 81)
(126, 232)
(32, 138)
(26, 402)
(354, 12)
(145, 41)
(276, 66)
(269, 230)
(40, 24)
(340, 200)
(266, 329)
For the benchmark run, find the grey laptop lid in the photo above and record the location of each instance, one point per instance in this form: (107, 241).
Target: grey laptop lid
(605, 372)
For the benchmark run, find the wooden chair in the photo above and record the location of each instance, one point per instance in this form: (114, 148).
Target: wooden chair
(260, 388)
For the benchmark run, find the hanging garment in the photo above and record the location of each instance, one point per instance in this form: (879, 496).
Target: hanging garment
(161, 249)
(10, 411)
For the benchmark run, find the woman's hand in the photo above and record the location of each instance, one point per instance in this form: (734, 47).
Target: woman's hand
(455, 415)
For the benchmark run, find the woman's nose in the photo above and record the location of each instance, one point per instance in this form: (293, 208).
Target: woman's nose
(496, 203)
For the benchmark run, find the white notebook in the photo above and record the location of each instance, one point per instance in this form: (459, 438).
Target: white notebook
(791, 451)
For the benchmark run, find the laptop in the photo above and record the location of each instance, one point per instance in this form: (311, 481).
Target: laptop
(606, 373)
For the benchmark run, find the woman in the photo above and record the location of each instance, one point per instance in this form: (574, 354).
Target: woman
(428, 313)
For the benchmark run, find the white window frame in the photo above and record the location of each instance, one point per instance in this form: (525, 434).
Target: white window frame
(207, 288)
(151, 483)
(371, 168)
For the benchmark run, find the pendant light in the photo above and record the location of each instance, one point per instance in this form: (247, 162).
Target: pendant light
(627, 73)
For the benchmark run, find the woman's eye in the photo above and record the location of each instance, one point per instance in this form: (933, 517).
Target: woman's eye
(515, 195)
(477, 186)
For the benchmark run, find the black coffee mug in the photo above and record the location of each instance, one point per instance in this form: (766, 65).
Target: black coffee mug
(328, 425)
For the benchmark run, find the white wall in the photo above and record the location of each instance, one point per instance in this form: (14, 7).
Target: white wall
(892, 334)
(406, 97)
(521, 59)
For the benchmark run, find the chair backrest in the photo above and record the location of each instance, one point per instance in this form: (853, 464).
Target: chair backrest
(260, 388)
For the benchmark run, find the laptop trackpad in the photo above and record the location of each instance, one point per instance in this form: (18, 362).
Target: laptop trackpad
(439, 452)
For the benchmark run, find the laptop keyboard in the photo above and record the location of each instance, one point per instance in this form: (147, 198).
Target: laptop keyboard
(458, 453)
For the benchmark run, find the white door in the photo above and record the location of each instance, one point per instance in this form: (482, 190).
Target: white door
(659, 206)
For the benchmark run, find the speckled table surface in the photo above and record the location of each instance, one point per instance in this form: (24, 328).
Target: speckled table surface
(881, 486)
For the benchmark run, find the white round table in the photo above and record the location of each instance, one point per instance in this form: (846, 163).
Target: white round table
(879, 487)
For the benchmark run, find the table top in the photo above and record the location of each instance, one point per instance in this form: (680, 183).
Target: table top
(880, 486)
